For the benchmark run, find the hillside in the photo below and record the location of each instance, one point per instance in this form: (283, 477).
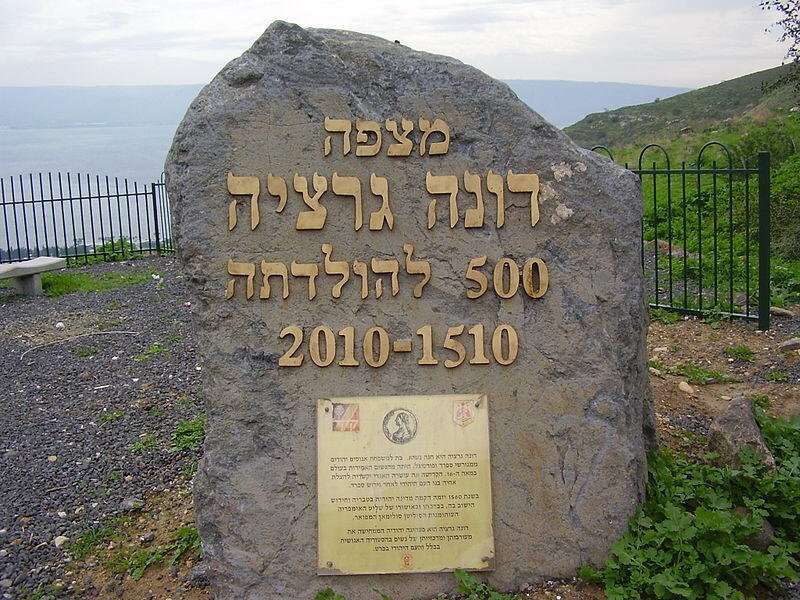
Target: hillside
(737, 100)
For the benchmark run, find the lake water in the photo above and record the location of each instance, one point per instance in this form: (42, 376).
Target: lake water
(137, 153)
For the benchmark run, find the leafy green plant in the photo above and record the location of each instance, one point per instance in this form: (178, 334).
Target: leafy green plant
(110, 416)
(145, 444)
(762, 402)
(473, 589)
(114, 477)
(741, 352)
(56, 590)
(687, 541)
(189, 435)
(776, 376)
(328, 594)
(154, 349)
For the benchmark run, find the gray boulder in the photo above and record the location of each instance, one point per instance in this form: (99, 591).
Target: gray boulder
(570, 418)
(735, 428)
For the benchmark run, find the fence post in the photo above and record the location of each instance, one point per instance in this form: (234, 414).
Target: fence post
(155, 218)
(763, 241)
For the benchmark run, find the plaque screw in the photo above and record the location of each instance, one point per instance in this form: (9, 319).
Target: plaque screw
(330, 564)
(477, 403)
(327, 409)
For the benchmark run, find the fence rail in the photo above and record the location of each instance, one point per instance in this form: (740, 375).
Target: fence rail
(82, 217)
(706, 233)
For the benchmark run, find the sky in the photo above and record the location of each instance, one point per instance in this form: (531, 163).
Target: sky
(687, 43)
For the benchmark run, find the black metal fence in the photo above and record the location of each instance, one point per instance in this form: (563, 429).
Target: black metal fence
(82, 217)
(706, 233)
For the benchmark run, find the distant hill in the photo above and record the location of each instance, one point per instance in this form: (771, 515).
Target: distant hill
(560, 102)
(566, 102)
(697, 111)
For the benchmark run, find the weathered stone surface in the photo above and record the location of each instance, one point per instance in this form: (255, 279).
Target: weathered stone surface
(569, 420)
(735, 428)
(789, 345)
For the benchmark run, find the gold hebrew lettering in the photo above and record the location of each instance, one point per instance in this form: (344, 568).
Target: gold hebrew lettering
(363, 129)
(360, 269)
(380, 187)
(386, 266)
(336, 268)
(526, 182)
(314, 218)
(268, 269)
(243, 186)
(342, 126)
(403, 146)
(474, 216)
(494, 183)
(442, 184)
(438, 126)
(240, 269)
(276, 186)
(349, 186)
(417, 267)
(310, 270)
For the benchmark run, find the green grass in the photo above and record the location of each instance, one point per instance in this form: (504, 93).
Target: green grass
(62, 283)
(154, 349)
(146, 444)
(136, 561)
(85, 352)
(110, 416)
(693, 373)
(687, 541)
(189, 435)
(741, 352)
(667, 317)
(776, 376)
(55, 590)
(91, 540)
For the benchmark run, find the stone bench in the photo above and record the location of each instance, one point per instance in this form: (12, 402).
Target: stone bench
(27, 274)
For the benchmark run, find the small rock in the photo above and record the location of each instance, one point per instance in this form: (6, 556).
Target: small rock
(52, 458)
(61, 514)
(197, 577)
(654, 371)
(762, 539)
(726, 398)
(661, 349)
(735, 428)
(789, 345)
(780, 312)
(147, 537)
(685, 388)
(79, 510)
(3, 553)
(60, 325)
(60, 540)
(131, 504)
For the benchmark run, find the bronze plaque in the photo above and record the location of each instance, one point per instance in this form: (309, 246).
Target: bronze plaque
(403, 484)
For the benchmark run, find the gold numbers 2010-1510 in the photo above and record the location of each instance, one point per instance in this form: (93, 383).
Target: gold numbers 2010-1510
(376, 347)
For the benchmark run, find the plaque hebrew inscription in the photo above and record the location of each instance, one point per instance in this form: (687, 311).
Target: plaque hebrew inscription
(404, 484)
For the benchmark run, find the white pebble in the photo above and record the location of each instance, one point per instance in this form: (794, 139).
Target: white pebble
(60, 325)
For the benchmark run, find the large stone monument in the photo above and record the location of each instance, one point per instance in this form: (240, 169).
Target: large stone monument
(422, 325)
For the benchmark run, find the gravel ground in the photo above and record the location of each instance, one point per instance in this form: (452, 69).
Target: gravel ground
(73, 407)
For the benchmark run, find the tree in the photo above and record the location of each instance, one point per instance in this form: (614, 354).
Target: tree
(789, 22)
